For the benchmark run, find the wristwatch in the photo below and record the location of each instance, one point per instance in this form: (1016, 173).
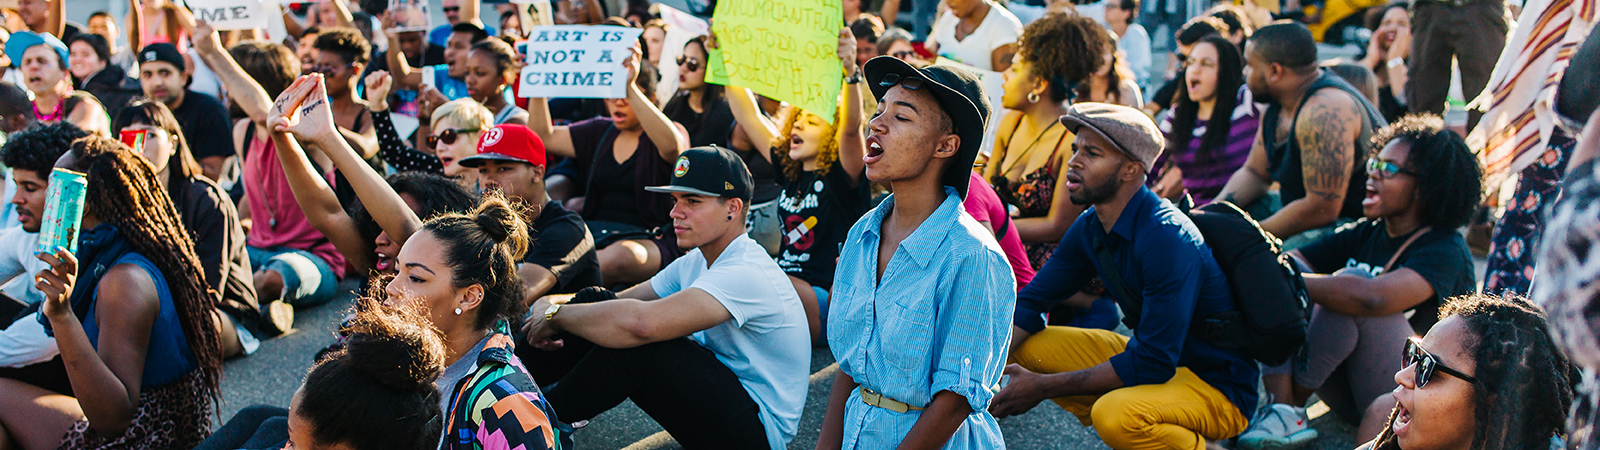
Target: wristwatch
(854, 78)
(1396, 62)
(550, 313)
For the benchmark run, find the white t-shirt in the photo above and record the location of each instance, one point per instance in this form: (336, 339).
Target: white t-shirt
(767, 344)
(998, 28)
(17, 264)
(1135, 43)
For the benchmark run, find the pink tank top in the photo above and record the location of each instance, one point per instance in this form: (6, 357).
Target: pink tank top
(277, 220)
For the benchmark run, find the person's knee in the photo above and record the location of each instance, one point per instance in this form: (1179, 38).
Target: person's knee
(1114, 421)
(269, 284)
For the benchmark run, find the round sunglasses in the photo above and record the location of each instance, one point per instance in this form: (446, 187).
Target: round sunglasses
(1424, 364)
(448, 136)
(694, 64)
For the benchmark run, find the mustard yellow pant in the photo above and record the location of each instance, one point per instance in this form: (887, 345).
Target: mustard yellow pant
(1179, 414)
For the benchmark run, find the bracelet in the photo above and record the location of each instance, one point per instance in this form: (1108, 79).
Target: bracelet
(1396, 62)
(854, 78)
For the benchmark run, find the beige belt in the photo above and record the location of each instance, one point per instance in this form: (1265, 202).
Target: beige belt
(870, 397)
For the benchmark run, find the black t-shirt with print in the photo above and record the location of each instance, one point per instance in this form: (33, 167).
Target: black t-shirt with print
(1441, 257)
(561, 243)
(816, 214)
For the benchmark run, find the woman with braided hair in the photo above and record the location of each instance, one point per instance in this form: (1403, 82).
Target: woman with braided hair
(1487, 376)
(137, 328)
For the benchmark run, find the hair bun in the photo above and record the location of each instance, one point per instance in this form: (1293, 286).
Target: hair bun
(503, 223)
(397, 346)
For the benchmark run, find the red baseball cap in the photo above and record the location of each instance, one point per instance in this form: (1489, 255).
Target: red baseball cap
(507, 142)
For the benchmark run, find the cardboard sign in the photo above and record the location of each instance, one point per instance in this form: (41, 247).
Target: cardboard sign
(577, 61)
(784, 49)
(409, 15)
(231, 14)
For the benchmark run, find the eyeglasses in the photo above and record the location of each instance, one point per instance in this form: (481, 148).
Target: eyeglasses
(911, 83)
(448, 136)
(694, 64)
(328, 69)
(450, 9)
(1385, 170)
(1425, 364)
(903, 54)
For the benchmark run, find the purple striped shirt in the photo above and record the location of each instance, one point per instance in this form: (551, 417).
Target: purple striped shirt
(1205, 179)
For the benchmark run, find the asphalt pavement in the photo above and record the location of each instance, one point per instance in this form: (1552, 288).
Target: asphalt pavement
(271, 375)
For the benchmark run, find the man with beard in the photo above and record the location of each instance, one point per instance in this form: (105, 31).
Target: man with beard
(1159, 388)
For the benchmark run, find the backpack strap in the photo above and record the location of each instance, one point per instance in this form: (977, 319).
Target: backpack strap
(1403, 247)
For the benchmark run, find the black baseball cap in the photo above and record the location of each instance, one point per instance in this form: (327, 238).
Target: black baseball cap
(163, 52)
(710, 171)
(959, 93)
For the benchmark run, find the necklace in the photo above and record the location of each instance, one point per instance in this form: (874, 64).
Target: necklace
(54, 116)
(1028, 151)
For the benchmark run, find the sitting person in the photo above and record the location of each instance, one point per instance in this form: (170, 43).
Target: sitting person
(376, 393)
(715, 348)
(341, 55)
(138, 331)
(93, 71)
(1203, 153)
(26, 353)
(919, 349)
(460, 269)
(491, 70)
(1487, 376)
(1157, 266)
(1404, 259)
(702, 108)
(1113, 82)
(823, 194)
(209, 215)
(44, 63)
(616, 157)
(456, 127)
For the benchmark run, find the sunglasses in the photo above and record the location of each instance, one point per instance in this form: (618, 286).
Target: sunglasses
(1425, 364)
(903, 54)
(890, 80)
(694, 64)
(327, 69)
(1385, 170)
(450, 9)
(448, 136)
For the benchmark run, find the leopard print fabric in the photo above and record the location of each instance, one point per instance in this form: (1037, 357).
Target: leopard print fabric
(172, 416)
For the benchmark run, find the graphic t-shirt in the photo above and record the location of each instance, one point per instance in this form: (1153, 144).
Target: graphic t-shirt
(816, 213)
(1441, 257)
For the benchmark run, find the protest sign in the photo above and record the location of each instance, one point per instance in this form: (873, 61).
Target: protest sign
(681, 27)
(230, 14)
(784, 49)
(409, 15)
(577, 61)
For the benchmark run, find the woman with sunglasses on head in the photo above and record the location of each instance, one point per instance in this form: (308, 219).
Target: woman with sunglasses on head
(1403, 259)
(491, 68)
(1487, 376)
(615, 158)
(823, 192)
(1203, 153)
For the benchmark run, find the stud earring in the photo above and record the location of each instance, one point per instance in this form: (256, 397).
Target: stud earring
(458, 311)
(730, 217)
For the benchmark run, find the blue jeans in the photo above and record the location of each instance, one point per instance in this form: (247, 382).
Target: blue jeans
(307, 279)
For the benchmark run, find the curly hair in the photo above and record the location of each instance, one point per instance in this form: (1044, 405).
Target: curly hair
(826, 156)
(1525, 384)
(1449, 177)
(347, 43)
(377, 391)
(434, 194)
(125, 193)
(36, 149)
(505, 58)
(483, 248)
(1064, 50)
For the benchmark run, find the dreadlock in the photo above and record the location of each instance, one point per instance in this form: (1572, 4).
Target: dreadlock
(826, 156)
(1524, 382)
(123, 191)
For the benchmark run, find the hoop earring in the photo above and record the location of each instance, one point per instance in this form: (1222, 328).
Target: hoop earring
(1033, 97)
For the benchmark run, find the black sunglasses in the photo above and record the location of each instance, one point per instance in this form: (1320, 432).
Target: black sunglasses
(1425, 364)
(450, 9)
(448, 136)
(890, 80)
(903, 54)
(694, 64)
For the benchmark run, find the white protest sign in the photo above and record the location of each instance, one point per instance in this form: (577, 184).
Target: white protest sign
(577, 61)
(681, 27)
(231, 14)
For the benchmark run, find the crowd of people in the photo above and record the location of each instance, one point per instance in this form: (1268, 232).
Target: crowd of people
(523, 265)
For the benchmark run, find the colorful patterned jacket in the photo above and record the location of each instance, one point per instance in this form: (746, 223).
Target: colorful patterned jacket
(499, 407)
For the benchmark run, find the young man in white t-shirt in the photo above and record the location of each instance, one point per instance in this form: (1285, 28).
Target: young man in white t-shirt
(31, 154)
(715, 347)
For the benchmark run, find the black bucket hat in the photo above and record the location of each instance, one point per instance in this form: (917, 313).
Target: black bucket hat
(958, 92)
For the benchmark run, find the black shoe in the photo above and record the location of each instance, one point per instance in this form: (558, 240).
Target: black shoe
(277, 318)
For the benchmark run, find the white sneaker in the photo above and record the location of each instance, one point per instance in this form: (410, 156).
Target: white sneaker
(1278, 427)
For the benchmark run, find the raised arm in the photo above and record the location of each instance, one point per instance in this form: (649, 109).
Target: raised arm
(469, 11)
(290, 23)
(1326, 134)
(319, 203)
(756, 125)
(341, 12)
(135, 28)
(58, 14)
(557, 139)
(852, 144)
(242, 88)
(391, 147)
(670, 138)
(405, 75)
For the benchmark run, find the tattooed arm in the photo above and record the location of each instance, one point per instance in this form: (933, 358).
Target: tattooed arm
(1325, 131)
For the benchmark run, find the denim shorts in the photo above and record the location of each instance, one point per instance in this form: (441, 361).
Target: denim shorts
(307, 279)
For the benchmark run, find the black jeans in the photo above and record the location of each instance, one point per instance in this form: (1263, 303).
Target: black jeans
(259, 426)
(677, 382)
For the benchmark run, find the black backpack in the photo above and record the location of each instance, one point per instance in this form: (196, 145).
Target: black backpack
(1271, 307)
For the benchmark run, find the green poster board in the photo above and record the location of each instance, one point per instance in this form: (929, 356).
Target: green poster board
(784, 49)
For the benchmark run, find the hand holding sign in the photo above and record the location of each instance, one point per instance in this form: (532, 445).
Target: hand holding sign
(779, 48)
(578, 61)
(847, 48)
(230, 14)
